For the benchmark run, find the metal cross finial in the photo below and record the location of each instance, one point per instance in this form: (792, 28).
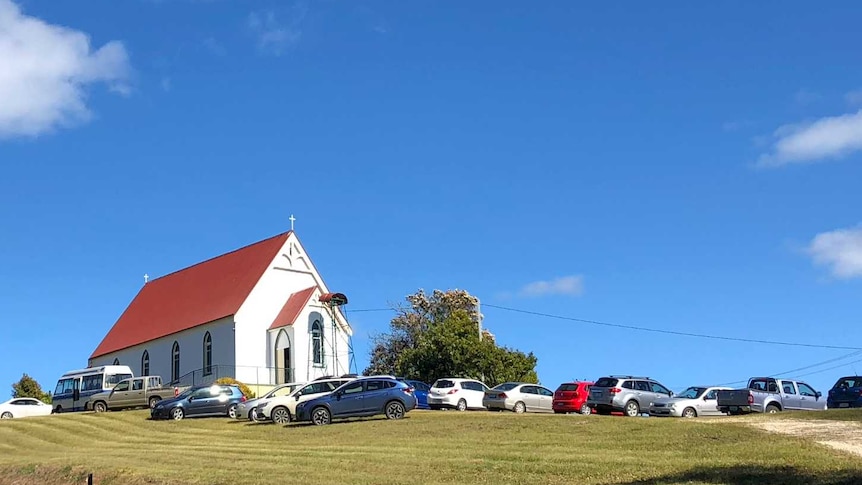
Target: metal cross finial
(292, 220)
(146, 277)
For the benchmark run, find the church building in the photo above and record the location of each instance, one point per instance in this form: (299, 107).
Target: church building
(260, 314)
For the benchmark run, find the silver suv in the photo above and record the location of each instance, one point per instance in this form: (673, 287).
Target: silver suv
(628, 394)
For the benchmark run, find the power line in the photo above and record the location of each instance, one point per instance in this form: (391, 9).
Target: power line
(674, 332)
(830, 368)
(818, 364)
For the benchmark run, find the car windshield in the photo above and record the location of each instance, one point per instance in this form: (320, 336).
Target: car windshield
(187, 392)
(691, 393)
(507, 386)
(443, 384)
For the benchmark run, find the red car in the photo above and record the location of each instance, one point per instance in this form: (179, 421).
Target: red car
(571, 397)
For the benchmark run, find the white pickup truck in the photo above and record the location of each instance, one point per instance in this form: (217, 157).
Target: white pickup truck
(770, 395)
(136, 392)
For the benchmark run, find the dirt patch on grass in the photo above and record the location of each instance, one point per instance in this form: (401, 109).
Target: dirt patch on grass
(841, 435)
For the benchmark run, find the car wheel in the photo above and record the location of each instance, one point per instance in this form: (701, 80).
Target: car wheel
(772, 409)
(255, 416)
(320, 416)
(689, 413)
(462, 405)
(177, 414)
(154, 401)
(6, 415)
(281, 415)
(58, 409)
(394, 410)
(519, 407)
(100, 407)
(231, 411)
(632, 409)
(585, 409)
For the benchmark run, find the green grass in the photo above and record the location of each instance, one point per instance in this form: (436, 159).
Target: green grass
(426, 447)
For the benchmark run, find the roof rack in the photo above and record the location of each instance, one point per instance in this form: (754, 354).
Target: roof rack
(629, 377)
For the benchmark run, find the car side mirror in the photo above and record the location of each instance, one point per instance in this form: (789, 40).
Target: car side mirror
(337, 396)
(670, 393)
(296, 397)
(818, 394)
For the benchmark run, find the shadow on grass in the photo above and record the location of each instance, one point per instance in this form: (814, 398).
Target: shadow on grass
(343, 421)
(750, 475)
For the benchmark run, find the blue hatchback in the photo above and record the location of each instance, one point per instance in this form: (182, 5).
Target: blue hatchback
(361, 397)
(420, 391)
(846, 393)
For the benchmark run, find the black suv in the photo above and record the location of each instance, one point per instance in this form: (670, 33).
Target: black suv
(209, 400)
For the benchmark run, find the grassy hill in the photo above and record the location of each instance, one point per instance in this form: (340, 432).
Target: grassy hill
(426, 447)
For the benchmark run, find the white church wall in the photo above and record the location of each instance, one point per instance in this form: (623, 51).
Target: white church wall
(191, 344)
(258, 312)
(290, 271)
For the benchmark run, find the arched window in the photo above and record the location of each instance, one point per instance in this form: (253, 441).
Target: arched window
(317, 342)
(208, 354)
(116, 361)
(175, 363)
(145, 364)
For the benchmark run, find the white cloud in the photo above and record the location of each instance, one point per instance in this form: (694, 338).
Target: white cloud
(829, 137)
(562, 286)
(840, 251)
(45, 70)
(274, 36)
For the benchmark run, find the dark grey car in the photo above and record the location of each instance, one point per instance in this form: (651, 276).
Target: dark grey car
(627, 394)
(209, 400)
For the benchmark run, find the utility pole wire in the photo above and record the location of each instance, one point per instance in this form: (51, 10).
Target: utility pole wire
(674, 332)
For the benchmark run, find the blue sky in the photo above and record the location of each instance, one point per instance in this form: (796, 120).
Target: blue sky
(683, 168)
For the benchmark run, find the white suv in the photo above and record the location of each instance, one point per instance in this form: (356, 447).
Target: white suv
(282, 409)
(460, 394)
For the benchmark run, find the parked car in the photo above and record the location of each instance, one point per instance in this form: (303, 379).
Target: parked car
(361, 397)
(690, 403)
(24, 407)
(246, 410)
(282, 409)
(628, 394)
(846, 393)
(420, 391)
(456, 393)
(519, 397)
(136, 392)
(769, 395)
(571, 397)
(208, 400)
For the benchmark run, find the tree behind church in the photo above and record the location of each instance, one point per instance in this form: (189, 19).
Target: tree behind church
(437, 336)
(28, 387)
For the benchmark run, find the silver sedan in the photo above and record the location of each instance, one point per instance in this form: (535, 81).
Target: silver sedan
(691, 403)
(519, 397)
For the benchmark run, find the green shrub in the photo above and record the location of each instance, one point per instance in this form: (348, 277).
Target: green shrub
(230, 381)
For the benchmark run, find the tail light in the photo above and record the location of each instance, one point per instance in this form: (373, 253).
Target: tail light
(750, 398)
(502, 395)
(453, 391)
(408, 390)
(575, 395)
(615, 390)
(243, 399)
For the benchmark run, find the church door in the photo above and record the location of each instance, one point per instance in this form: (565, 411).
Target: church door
(283, 370)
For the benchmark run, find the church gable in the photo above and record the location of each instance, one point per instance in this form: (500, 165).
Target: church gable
(193, 296)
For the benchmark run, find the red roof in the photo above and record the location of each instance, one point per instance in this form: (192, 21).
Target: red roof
(291, 310)
(193, 296)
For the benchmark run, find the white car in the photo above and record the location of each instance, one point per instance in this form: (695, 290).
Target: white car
(691, 403)
(246, 410)
(455, 393)
(282, 409)
(22, 407)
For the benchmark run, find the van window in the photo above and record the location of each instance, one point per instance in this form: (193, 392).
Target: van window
(92, 383)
